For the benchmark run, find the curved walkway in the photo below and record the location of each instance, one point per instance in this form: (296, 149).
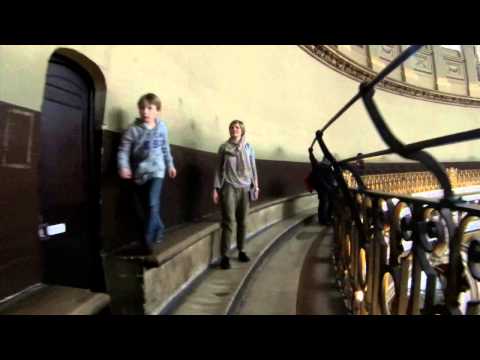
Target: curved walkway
(291, 273)
(217, 293)
(297, 278)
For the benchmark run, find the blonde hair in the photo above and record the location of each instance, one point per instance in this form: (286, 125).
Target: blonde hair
(150, 99)
(240, 123)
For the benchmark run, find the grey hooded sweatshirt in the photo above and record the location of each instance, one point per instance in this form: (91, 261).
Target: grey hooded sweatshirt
(146, 152)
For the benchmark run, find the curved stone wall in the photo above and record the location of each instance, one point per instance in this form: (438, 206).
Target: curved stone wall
(282, 94)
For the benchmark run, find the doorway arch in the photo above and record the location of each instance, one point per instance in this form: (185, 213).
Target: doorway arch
(70, 170)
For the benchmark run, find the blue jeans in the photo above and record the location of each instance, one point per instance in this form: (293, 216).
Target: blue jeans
(149, 194)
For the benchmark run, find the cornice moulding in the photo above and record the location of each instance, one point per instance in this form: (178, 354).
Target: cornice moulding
(340, 63)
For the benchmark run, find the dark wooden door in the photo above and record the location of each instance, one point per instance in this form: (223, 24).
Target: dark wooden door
(66, 179)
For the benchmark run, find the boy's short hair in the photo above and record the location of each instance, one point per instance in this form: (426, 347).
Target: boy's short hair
(240, 123)
(150, 99)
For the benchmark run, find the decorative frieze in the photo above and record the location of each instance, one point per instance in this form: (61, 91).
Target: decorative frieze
(423, 63)
(388, 52)
(329, 56)
(452, 54)
(455, 70)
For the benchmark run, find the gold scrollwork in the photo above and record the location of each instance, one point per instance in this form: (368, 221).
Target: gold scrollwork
(388, 295)
(468, 231)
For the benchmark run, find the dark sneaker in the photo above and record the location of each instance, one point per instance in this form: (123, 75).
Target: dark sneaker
(225, 263)
(156, 247)
(160, 239)
(242, 257)
(158, 242)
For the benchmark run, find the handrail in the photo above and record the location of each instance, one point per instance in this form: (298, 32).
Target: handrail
(420, 145)
(381, 75)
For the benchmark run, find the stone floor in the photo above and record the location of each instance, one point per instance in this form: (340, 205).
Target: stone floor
(288, 276)
(218, 291)
(297, 268)
(318, 293)
(272, 289)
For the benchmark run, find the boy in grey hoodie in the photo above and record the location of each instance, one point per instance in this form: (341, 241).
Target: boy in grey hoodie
(144, 155)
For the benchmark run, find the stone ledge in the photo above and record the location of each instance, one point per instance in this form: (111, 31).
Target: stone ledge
(56, 300)
(189, 233)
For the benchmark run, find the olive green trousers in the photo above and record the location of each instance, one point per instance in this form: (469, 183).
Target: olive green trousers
(234, 205)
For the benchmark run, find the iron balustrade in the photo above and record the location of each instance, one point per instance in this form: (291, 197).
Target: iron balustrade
(401, 254)
(419, 182)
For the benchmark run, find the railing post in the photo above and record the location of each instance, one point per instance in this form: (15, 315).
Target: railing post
(376, 254)
(403, 288)
(455, 267)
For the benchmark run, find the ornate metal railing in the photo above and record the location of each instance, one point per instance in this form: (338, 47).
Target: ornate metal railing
(399, 254)
(413, 182)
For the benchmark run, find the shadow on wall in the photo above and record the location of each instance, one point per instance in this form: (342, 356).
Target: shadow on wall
(194, 185)
(119, 119)
(281, 178)
(276, 185)
(184, 198)
(120, 225)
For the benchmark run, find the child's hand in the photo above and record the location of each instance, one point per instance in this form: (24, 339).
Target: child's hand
(125, 173)
(215, 196)
(172, 172)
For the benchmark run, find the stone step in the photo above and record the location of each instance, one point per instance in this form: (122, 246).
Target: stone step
(56, 300)
(217, 293)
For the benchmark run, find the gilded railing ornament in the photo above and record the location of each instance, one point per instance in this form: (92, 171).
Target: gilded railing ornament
(409, 183)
